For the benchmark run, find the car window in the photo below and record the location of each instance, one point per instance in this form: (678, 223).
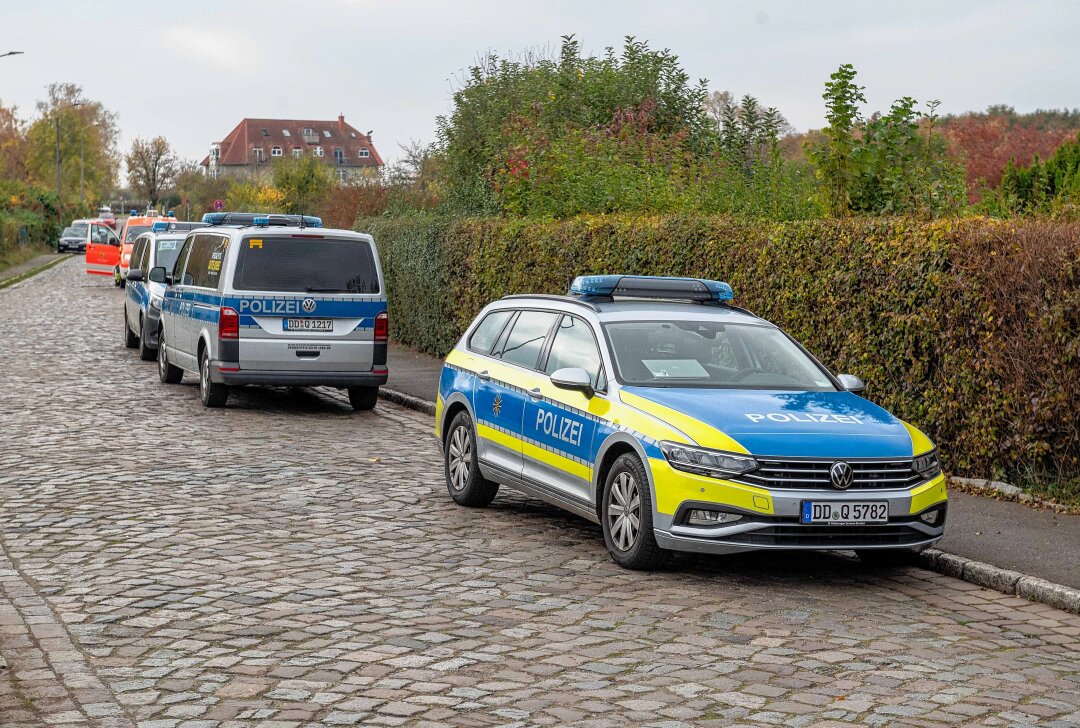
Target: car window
(133, 231)
(179, 272)
(306, 265)
(166, 253)
(575, 346)
(204, 263)
(526, 339)
(488, 330)
(101, 235)
(136, 254)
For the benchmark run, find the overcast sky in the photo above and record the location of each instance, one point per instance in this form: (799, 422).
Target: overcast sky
(191, 70)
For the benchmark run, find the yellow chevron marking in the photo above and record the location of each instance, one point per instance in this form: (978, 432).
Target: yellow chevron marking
(701, 433)
(920, 443)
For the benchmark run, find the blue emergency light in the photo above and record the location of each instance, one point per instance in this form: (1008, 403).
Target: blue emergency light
(683, 289)
(261, 219)
(160, 226)
(134, 213)
(169, 214)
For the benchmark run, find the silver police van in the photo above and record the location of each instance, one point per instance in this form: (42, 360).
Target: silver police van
(274, 300)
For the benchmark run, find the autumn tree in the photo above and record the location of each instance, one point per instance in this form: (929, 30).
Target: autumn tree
(152, 168)
(303, 183)
(12, 144)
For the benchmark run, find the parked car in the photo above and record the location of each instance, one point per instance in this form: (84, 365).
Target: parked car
(73, 238)
(680, 423)
(142, 302)
(133, 228)
(274, 301)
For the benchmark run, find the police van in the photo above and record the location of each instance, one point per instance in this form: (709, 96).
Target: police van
(142, 298)
(274, 300)
(679, 422)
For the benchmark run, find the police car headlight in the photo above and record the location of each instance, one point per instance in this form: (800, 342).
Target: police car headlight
(155, 302)
(703, 461)
(927, 465)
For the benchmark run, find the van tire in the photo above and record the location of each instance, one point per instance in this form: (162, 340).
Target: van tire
(212, 394)
(130, 339)
(146, 352)
(167, 373)
(464, 481)
(363, 398)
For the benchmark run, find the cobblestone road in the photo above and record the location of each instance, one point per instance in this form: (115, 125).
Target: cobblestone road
(287, 561)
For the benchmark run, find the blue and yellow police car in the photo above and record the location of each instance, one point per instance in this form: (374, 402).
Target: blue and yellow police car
(679, 422)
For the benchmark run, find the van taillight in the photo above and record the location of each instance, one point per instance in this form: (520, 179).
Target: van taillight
(382, 327)
(228, 323)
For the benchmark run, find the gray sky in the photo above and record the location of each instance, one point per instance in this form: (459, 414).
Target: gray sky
(388, 65)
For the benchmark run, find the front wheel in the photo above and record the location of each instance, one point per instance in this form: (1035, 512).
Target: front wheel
(363, 398)
(167, 373)
(626, 517)
(212, 394)
(467, 485)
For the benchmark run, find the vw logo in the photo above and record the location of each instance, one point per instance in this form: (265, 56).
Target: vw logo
(841, 475)
(308, 305)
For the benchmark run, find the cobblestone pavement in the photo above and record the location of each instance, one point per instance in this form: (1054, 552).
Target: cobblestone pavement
(287, 561)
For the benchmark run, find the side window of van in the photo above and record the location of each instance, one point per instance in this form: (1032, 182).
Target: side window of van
(180, 274)
(206, 259)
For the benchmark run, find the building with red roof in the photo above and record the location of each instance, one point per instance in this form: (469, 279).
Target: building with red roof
(249, 149)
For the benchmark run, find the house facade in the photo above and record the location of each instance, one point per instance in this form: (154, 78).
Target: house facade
(250, 148)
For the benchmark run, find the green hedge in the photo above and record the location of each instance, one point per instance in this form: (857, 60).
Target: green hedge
(969, 328)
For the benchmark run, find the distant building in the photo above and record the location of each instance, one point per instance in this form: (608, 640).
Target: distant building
(249, 149)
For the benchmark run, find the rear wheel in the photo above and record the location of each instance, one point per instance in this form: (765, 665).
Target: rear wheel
(212, 394)
(467, 485)
(363, 398)
(167, 373)
(146, 352)
(130, 339)
(626, 517)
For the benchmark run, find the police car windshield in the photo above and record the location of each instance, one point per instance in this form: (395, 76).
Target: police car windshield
(306, 265)
(711, 354)
(166, 252)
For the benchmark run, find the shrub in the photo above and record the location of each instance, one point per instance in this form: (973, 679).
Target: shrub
(969, 328)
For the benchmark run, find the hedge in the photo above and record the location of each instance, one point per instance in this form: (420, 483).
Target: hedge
(969, 328)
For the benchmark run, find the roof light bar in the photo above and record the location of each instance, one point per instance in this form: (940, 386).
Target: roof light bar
(683, 289)
(265, 219)
(160, 226)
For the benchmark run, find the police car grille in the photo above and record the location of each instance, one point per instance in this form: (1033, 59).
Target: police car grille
(824, 535)
(813, 474)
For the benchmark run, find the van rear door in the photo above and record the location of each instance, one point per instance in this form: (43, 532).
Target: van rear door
(307, 302)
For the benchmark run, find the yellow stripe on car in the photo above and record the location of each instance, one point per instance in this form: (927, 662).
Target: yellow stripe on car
(701, 433)
(920, 443)
(928, 494)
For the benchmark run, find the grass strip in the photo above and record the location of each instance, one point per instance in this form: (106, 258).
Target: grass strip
(30, 273)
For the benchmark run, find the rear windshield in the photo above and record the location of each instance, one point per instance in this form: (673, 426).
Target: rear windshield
(134, 231)
(306, 265)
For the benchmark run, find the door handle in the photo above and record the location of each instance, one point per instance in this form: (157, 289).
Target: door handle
(535, 393)
(484, 376)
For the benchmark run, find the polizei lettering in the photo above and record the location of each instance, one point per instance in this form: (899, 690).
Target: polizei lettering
(805, 417)
(559, 427)
(269, 307)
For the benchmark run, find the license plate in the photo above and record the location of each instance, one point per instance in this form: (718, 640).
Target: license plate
(845, 512)
(308, 324)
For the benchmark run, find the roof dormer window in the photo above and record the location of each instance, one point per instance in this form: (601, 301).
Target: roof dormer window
(364, 153)
(285, 132)
(265, 132)
(326, 133)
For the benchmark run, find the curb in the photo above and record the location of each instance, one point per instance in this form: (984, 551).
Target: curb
(1003, 580)
(26, 275)
(975, 572)
(995, 487)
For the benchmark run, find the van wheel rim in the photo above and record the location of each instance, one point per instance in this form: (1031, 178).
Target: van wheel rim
(204, 376)
(460, 458)
(161, 355)
(624, 512)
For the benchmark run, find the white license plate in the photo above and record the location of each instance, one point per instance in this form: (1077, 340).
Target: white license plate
(845, 512)
(308, 324)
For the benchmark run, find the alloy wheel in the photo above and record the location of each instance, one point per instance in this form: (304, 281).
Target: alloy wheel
(624, 511)
(460, 458)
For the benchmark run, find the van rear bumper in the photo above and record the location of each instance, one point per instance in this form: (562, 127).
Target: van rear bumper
(230, 373)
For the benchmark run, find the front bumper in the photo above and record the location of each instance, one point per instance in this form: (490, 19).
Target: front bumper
(230, 373)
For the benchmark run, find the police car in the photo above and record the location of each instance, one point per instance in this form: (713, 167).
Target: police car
(275, 300)
(142, 299)
(679, 422)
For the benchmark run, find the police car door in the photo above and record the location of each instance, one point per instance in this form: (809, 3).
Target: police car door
(558, 420)
(499, 398)
(136, 290)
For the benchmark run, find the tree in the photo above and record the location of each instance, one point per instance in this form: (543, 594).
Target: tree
(303, 182)
(833, 160)
(12, 144)
(152, 168)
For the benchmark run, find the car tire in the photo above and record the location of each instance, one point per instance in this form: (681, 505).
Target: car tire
(363, 398)
(146, 352)
(464, 481)
(212, 394)
(626, 517)
(130, 339)
(888, 557)
(167, 373)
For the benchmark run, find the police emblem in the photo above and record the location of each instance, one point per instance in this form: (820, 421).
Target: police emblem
(496, 406)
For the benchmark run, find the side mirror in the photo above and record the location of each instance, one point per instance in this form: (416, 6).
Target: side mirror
(573, 378)
(157, 275)
(851, 383)
(135, 275)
